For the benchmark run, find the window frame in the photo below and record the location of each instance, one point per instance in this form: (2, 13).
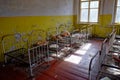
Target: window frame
(79, 12)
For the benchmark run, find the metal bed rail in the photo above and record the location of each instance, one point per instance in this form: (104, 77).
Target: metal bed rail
(60, 38)
(97, 61)
(89, 31)
(76, 38)
(111, 39)
(38, 55)
(62, 30)
(86, 31)
(11, 43)
(108, 67)
(94, 66)
(83, 33)
(53, 42)
(103, 51)
(38, 51)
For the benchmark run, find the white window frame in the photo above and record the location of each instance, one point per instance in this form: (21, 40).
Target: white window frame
(79, 12)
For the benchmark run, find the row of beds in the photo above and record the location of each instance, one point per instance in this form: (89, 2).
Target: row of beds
(62, 42)
(105, 65)
(32, 50)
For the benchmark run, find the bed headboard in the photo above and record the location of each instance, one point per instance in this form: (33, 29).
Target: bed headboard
(12, 42)
(35, 36)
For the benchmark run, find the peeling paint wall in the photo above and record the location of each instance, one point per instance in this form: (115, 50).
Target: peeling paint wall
(26, 15)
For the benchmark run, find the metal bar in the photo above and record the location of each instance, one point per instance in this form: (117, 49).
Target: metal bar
(36, 55)
(30, 64)
(33, 56)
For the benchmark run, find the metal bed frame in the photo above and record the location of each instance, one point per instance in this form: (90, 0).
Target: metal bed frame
(86, 32)
(53, 42)
(98, 61)
(65, 41)
(108, 65)
(111, 39)
(81, 35)
(16, 51)
(37, 49)
(104, 61)
(94, 66)
(76, 38)
(89, 31)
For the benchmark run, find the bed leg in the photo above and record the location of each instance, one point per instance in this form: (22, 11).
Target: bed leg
(30, 64)
(31, 77)
(31, 73)
(5, 59)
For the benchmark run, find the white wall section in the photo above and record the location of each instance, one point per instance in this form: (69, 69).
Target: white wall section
(36, 7)
(107, 6)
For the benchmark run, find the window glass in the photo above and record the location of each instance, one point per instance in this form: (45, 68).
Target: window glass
(89, 10)
(84, 15)
(94, 4)
(93, 15)
(117, 15)
(118, 3)
(84, 4)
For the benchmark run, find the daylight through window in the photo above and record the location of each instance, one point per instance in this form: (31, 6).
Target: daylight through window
(89, 10)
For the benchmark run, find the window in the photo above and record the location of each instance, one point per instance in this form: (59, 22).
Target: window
(89, 11)
(117, 16)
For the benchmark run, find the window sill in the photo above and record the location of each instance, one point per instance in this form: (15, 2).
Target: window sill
(87, 23)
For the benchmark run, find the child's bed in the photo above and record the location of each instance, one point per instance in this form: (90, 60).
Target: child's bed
(109, 67)
(59, 40)
(97, 61)
(94, 66)
(32, 51)
(106, 65)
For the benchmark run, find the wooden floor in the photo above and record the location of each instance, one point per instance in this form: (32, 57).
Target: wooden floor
(73, 67)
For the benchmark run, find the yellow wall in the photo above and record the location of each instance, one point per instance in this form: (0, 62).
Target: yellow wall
(22, 24)
(103, 28)
(26, 23)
